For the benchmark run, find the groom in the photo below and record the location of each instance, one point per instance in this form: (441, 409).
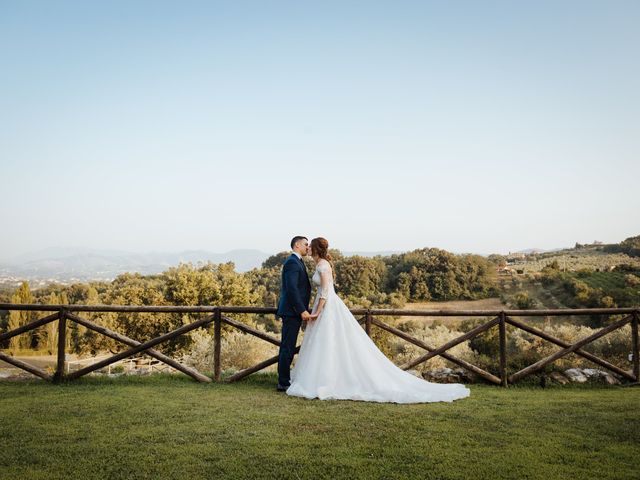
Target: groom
(295, 292)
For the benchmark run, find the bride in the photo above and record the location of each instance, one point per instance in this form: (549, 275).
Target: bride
(338, 360)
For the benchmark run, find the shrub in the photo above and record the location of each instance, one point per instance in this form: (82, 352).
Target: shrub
(522, 301)
(631, 280)
(434, 336)
(238, 351)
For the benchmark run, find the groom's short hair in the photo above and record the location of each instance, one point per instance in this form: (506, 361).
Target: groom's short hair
(296, 239)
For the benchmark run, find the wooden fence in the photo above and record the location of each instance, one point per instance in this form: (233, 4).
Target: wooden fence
(220, 315)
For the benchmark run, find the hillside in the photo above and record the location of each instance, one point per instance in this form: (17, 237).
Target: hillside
(574, 259)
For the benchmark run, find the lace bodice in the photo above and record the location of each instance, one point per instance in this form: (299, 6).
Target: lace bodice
(323, 279)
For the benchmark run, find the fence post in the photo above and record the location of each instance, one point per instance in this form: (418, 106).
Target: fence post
(367, 323)
(636, 349)
(62, 343)
(503, 349)
(217, 335)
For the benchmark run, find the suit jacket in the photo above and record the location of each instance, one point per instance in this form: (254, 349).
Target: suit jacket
(295, 289)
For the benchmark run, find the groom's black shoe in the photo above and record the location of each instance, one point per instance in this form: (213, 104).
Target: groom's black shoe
(281, 388)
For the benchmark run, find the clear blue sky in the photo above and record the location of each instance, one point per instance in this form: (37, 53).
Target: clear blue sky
(470, 126)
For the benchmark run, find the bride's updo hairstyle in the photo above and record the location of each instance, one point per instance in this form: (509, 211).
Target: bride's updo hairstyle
(320, 248)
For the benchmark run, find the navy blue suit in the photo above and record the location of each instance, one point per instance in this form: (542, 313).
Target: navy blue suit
(295, 293)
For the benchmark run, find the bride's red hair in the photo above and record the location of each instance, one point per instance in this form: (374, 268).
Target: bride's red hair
(320, 248)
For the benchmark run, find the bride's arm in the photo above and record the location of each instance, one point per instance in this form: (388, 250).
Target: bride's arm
(323, 291)
(318, 311)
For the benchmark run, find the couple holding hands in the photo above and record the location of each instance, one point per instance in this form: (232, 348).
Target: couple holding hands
(337, 359)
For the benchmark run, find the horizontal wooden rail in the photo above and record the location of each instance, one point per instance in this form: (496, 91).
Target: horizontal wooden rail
(355, 311)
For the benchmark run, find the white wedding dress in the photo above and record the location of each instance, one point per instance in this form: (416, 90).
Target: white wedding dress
(338, 360)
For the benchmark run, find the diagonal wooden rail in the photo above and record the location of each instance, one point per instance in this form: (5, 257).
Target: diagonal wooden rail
(133, 343)
(140, 347)
(578, 351)
(452, 343)
(220, 315)
(569, 349)
(464, 364)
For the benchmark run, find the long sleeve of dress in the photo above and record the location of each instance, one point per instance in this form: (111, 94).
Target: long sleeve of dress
(326, 279)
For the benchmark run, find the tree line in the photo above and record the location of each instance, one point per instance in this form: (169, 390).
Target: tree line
(381, 281)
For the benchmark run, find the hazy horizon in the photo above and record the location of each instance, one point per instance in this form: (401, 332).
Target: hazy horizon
(90, 250)
(482, 127)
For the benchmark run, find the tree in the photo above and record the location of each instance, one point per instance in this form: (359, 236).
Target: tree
(18, 318)
(265, 283)
(497, 259)
(47, 338)
(431, 273)
(360, 276)
(82, 339)
(276, 260)
(88, 340)
(137, 289)
(631, 246)
(209, 284)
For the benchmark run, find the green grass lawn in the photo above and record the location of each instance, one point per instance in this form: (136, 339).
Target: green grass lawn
(171, 427)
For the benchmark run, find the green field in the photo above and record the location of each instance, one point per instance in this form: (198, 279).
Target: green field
(604, 280)
(171, 427)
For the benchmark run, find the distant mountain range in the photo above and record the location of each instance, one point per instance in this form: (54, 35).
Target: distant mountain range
(66, 264)
(71, 264)
(537, 250)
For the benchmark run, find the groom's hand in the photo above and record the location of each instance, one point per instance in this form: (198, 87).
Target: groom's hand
(306, 316)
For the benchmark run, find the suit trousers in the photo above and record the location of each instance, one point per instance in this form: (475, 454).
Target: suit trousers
(290, 330)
